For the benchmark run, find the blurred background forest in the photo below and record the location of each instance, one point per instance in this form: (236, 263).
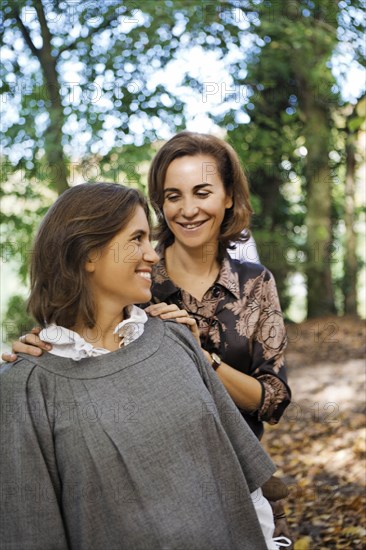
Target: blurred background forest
(91, 89)
(89, 92)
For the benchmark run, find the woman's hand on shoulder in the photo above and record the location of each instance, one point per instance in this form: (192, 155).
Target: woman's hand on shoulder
(30, 344)
(172, 311)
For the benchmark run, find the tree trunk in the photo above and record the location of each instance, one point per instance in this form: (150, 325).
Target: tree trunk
(316, 108)
(320, 250)
(57, 166)
(320, 299)
(350, 256)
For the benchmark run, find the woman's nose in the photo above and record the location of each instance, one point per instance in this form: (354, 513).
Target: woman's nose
(150, 255)
(189, 208)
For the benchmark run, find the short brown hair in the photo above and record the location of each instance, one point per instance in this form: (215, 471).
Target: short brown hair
(84, 218)
(237, 218)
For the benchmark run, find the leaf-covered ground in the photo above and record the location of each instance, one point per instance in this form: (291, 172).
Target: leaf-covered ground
(320, 444)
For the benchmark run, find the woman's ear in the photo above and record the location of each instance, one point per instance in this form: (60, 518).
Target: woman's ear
(229, 201)
(91, 261)
(93, 257)
(89, 266)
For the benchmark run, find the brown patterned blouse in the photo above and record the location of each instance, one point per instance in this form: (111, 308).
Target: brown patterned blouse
(240, 319)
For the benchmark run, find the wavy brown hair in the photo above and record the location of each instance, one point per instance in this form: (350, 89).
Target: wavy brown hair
(82, 220)
(237, 218)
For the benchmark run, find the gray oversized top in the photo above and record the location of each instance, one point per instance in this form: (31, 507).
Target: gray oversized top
(139, 449)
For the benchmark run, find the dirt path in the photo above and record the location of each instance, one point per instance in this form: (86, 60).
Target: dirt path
(319, 447)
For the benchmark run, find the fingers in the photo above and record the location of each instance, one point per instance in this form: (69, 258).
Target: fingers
(22, 347)
(19, 347)
(166, 311)
(177, 314)
(186, 320)
(9, 357)
(155, 310)
(31, 344)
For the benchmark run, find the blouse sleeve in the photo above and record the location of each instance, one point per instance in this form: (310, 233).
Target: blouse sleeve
(268, 345)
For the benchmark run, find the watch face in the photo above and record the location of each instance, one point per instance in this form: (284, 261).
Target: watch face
(216, 360)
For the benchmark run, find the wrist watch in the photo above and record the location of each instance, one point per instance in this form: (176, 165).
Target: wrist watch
(215, 361)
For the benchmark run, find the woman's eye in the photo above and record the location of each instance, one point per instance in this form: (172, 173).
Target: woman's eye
(137, 238)
(203, 194)
(172, 197)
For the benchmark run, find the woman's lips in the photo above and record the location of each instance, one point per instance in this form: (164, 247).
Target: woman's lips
(191, 225)
(145, 275)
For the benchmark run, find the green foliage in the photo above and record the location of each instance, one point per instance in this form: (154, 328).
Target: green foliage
(295, 108)
(105, 56)
(16, 321)
(277, 254)
(84, 102)
(81, 103)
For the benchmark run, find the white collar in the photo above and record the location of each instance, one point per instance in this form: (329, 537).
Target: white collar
(67, 343)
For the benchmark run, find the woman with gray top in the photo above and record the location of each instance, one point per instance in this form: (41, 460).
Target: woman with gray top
(123, 437)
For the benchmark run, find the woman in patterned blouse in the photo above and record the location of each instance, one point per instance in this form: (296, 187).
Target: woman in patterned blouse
(201, 197)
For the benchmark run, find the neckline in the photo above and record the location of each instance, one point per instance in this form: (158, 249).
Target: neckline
(228, 278)
(104, 365)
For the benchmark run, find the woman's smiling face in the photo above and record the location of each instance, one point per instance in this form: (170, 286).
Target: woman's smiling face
(120, 273)
(195, 201)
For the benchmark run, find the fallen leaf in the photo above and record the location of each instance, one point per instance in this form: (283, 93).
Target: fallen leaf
(358, 531)
(303, 543)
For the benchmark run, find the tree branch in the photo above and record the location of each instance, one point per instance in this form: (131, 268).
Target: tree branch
(45, 31)
(25, 32)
